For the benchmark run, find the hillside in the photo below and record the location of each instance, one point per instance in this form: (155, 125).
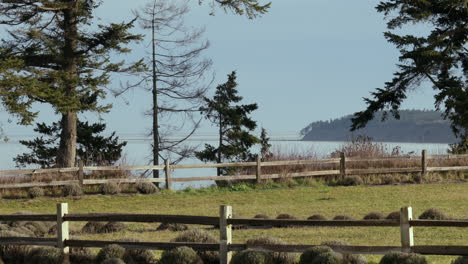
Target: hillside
(418, 126)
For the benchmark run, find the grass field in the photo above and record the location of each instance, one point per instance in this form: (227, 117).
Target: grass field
(301, 202)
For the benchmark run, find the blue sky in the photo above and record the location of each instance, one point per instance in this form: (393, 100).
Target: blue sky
(305, 60)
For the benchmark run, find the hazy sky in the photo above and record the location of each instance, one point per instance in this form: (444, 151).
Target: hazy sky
(305, 60)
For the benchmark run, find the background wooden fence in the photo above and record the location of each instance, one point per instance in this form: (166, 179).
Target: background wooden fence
(342, 163)
(225, 222)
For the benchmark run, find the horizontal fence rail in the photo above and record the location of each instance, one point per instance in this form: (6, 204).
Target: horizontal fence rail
(225, 222)
(344, 163)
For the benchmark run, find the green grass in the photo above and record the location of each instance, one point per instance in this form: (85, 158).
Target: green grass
(301, 202)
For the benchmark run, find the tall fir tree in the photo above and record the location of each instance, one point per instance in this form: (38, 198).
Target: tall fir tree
(234, 126)
(265, 145)
(57, 55)
(439, 57)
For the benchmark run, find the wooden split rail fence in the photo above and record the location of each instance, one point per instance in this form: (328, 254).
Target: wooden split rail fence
(225, 220)
(343, 170)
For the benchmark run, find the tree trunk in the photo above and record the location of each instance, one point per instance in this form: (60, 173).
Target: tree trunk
(155, 104)
(66, 155)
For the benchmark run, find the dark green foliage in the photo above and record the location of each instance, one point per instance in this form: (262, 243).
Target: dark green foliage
(285, 217)
(343, 217)
(72, 190)
(374, 216)
(110, 188)
(433, 214)
(438, 57)
(200, 236)
(393, 215)
(317, 217)
(328, 258)
(265, 145)
(92, 148)
(277, 257)
(138, 256)
(461, 260)
(146, 188)
(354, 259)
(308, 256)
(250, 8)
(251, 257)
(81, 256)
(180, 255)
(234, 126)
(352, 180)
(92, 227)
(113, 261)
(45, 255)
(109, 252)
(403, 258)
(172, 227)
(112, 227)
(35, 192)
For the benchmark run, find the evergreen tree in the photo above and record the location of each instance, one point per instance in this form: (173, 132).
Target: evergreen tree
(440, 57)
(57, 55)
(234, 126)
(249, 8)
(265, 145)
(92, 148)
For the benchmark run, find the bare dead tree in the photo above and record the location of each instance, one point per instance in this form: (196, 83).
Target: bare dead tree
(177, 78)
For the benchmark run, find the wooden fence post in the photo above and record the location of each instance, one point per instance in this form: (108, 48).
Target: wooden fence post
(225, 232)
(259, 169)
(81, 172)
(62, 228)
(406, 230)
(342, 164)
(167, 170)
(423, 164)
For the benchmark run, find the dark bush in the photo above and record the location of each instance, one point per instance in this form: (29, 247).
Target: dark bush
(92, 227)
(308, 256)
(35, 192)
(52, 230)
(387, 180)
(200, 236)
(332, 243)
(277, 257)
(112, 227)
(461, 260)
(137, 256)
(146, 188)
(434, 214)
(343, 217)
(109, 252)
(81, 256)
(14, 254)
(251, 257)
(72, 190)
(374, 216)
(113, 261)
(317, 217)
(403, 258)
(328, 258)
(172, 227)
(354, 259)
(261, 216)
(110, 188)
(393, 216)
(45, 255)
(180, 255)
(352, 180)
(285, 217)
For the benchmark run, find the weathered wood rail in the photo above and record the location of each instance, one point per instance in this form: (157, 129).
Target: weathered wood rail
(225, 220)
(343, 165)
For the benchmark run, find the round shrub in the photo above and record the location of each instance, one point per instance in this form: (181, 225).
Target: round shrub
(317, 217)
(81, 256)
(180, 255)
(434, 214)
(352, 180)
(35, 192)
(200, 236)
(393, 216)
(277, 257)
(374, 216)
(403, 258)
(343, 217)
(328, 258)
(112, 227)
(146, 188)
(354, 259)
(113, 261)
(461, 260)
(308, 256)
(285, 217)
(92, 227)
(109, 252)
(72, 190)
(110, 188)
(261, 216)
(137, 256)
(251, 257)
(172, 227)
(45, 255)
